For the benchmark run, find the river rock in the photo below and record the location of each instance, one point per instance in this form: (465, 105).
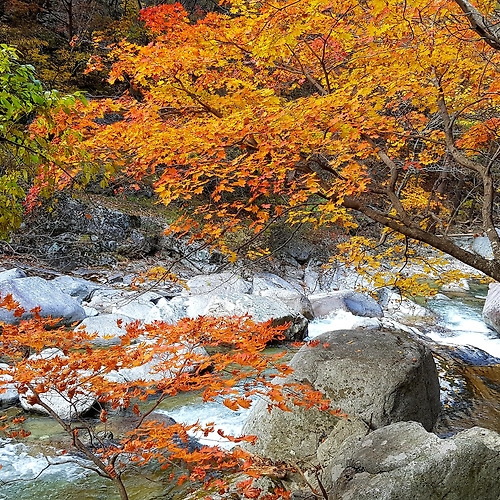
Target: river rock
(194, 256)
(299, 249)
(138, 309)
(491, 308)
(273, 286)
(65, 406)
(461, 285)
(405, 462)
(319, 278)
(481, 246)
(106, 327)
(347, 300)
(297, 435)
(32, 292)
(377, 376)
(78, 288)
(10, 396)
(138, 245)
(402, 309)
(261, 309)
(72, 216)
(222, 284)
(110, 300)
(152, 371)
(167, 311)
(10, 274)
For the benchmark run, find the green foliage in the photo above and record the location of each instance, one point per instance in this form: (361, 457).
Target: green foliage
(23, 153)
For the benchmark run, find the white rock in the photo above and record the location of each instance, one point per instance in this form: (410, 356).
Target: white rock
(441, 296)
(137, 309)
(76, 287)
(491, 308)
(109, 300)
(220, 284)
(166, 311)
(12, 274)
(90, 311)
(275, 287)
(152, 372)
(340, 277)
(268, 284)
(457, 286)
(106, 327)
(10, 396)
(357, 303)
(261, 309)
(33, 292)
(402, 309)
(481, 246)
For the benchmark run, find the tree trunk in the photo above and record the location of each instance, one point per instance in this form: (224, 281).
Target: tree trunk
(117, 481)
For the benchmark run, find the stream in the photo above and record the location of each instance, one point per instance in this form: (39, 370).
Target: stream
(25, 472)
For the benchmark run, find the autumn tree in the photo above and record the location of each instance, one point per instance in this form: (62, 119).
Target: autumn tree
(236, 370)
(309, 112)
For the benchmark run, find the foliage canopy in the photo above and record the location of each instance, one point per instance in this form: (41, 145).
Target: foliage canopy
(307, 111)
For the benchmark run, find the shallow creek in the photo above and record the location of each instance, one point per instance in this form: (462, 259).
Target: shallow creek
(469, 379)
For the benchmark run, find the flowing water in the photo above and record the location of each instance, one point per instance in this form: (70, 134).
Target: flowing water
(25, 474)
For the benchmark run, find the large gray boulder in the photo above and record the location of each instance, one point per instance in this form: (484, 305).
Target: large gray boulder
(273, 286)
(404, 462)
(66, 406)
(261, 309)
(346, 300)
(491, 308)
(297, 435)
(32, 292)
(377, 376)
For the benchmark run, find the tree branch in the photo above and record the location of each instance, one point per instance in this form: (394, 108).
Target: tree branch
(487, 30)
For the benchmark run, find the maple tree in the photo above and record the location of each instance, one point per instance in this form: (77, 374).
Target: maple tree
(307, 112)
(236, 370)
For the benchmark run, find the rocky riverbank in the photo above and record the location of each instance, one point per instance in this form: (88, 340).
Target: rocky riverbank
(381, 374)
